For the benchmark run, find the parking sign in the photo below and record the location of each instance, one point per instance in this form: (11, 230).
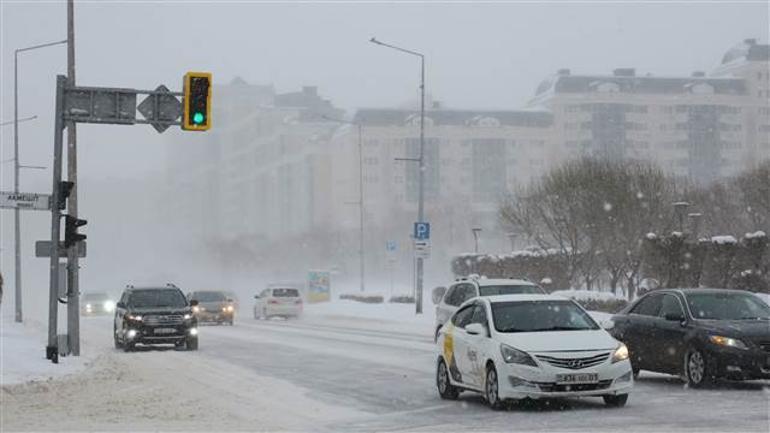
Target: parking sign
(421, 231)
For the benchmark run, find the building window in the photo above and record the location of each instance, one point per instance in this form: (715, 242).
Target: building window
(489, 168)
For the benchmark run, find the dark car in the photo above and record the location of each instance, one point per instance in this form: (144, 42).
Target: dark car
(155, 315)
(95, 303)
(213, 307)
(700, 334)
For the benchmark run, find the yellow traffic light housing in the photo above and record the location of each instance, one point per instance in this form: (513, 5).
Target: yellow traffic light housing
(197, 101)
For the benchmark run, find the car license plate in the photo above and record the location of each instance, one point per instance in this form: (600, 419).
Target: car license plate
(577, 378)
(165, 331)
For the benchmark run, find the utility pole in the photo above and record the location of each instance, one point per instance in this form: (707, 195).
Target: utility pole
(16, 167)
(421, 164)
(73, 286)
(476, 231)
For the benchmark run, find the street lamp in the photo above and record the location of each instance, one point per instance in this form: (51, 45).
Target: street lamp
(361, 254)
(476, 231)
(17, 166)
(680, 208)
(420, 161)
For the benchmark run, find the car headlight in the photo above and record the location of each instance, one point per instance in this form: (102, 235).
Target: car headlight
(187, 316)
(88, 306)
(515, 356)
(620, 354)
(137, 317)
(228, 309)
(109, 305)
(196, 309)
(727, 342)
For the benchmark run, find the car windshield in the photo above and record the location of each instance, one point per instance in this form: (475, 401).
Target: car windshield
(209, 296)
(95, 297)
(727, 306)
(285, 293)
(539, 316)
(510, 289)
(157, 298)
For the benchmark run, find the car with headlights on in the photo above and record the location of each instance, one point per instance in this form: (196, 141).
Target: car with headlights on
(699, 334)
(513, 347)
(96, 303)
(449, 300)
(213, 307)
(154, 315)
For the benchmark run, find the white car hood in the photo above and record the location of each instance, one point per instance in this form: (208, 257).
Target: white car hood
(559, 341)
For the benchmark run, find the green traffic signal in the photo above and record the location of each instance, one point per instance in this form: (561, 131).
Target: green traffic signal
(198, 118)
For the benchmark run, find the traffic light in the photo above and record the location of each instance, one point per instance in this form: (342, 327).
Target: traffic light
(65, 188)
(197, 101)
(71, 235)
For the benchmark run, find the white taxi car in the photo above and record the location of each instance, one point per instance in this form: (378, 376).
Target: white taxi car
(530, 346)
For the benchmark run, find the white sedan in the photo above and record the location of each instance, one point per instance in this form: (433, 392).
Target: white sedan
(530, 346)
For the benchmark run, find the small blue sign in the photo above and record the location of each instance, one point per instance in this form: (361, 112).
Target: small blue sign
(422, 231)
(391, 246)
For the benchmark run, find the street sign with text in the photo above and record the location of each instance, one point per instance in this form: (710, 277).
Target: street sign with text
(422, 249)
(25, 200)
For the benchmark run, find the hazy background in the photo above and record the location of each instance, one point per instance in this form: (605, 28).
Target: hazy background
(478, 56)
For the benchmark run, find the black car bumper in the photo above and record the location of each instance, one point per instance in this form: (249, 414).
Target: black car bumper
(741, 364)
(160, 334)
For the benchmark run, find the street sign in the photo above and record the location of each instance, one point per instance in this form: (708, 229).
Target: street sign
(161, 109)
(421, 231)
(100, 105)
(25, 201)
(43, 249)
(422, 249)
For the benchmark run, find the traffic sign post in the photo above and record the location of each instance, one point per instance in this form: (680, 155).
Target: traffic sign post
(104, 105)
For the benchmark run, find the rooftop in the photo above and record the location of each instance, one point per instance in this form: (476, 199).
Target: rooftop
(396, 117)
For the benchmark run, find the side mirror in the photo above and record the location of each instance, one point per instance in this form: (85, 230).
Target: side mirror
(475, 329)
(120, 304)
(437, 294)
(193, 302)
(674, 317)
(256, 296)
(230, 301)
(608, 324)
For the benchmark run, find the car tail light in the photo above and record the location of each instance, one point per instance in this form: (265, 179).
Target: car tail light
(272, 301)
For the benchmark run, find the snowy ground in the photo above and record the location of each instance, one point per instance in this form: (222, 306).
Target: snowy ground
(344, 366)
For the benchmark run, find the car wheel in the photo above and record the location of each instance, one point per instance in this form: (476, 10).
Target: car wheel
(635, 371)
(492, 390)
(115, 338)
(264, 314)
(435, 337)
(446, 390)
(615, 400)
(192, 343)
(128, 347)
(696, 369)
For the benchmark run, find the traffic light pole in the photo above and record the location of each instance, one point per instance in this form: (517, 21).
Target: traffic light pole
(52, 349)
(73, 267)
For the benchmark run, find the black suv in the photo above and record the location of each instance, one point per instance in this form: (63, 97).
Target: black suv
(154, 315)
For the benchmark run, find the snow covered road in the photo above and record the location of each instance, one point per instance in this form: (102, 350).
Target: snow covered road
(331, 373)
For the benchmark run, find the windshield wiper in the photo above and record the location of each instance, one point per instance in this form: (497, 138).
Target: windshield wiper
(753, 318)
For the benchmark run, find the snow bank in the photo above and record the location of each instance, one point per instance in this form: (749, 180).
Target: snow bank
(384, 312)
(22, 354)
(755, 235)
(723, 240)
(587, 295)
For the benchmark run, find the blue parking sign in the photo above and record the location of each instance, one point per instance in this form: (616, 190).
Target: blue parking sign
(422, 231)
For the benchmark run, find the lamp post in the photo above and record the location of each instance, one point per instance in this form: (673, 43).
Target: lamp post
(680, 208)
(361, 253)
(421, 162)
(476, 231)
(16, 167)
